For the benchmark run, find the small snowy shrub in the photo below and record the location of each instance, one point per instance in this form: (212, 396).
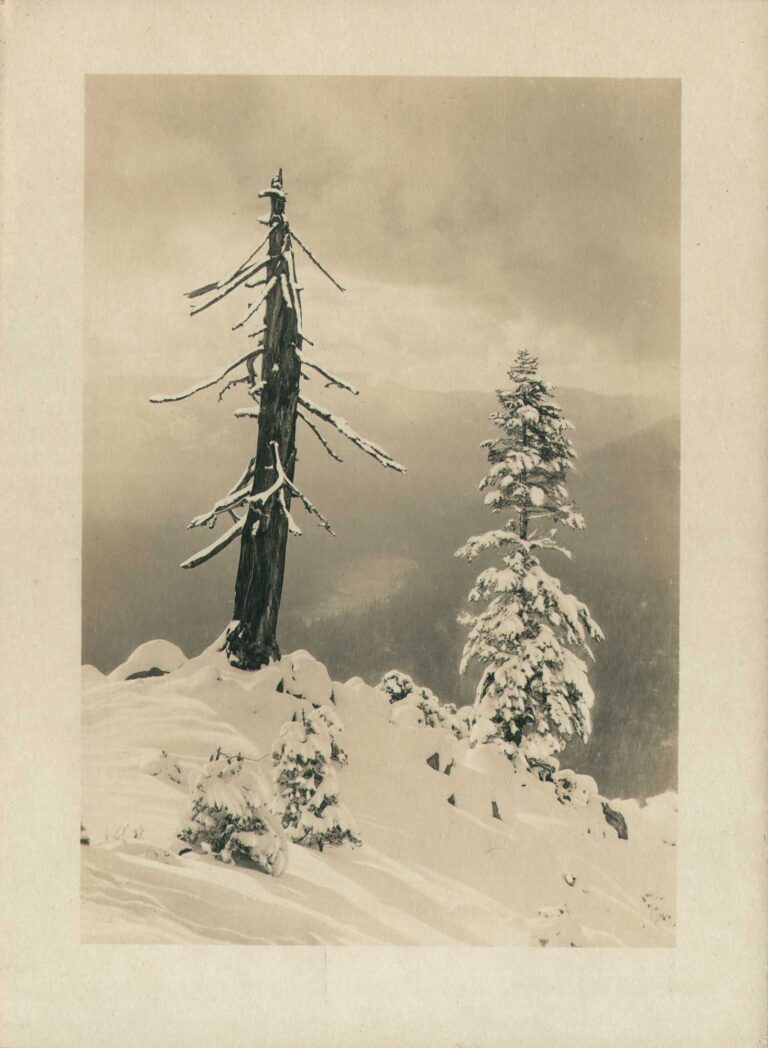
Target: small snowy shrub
(402, 689)
(396, 685)
(229, 816)
(307, 800)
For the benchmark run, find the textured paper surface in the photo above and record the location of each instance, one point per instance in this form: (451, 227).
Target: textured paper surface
(710, 989)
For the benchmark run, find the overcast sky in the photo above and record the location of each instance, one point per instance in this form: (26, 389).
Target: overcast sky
(467, 218)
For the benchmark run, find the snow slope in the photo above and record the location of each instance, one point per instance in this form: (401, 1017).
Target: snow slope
(429, 872)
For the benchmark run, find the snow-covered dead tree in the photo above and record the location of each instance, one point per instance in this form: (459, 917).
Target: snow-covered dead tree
(258, 506)
(533, 694)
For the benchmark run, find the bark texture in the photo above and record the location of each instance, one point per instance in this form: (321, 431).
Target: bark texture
(252, 639)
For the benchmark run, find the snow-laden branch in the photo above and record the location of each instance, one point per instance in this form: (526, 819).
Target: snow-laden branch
(235, 497)
(293, 527)
(340, 424)
(215, 547)
(288, 483)
(311, 508)
(232, 286)
(293, 280)
(225, 505)
(231, 384)
(263, 497)
(309, 255)
(218, 285)
(332, 379)
(162, 399)
(320, 437)
(246, 476)
(281, 484)
(268, 288)
(285, 292)
(247, 413)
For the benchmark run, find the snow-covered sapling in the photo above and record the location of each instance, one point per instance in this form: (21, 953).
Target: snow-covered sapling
(230, 817)
(533, 694)
(306, 785)
(400, 688)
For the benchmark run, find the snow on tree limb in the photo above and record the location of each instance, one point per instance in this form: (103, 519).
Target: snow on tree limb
(246, 413)
(264, 496)
(309, 255)
(245, 477)
(288, 483)
(332, 379)
(215, 547)
(218, 285)
(229, 288)
(235, 497)
(163, 399)
(285, 290)
(320, 436)
(273, 191)
(268, 288)
(346, 430)
(230, 502)
(311, 508)
(231, 384)
(478, 544)
(293, 281)
(293, 527)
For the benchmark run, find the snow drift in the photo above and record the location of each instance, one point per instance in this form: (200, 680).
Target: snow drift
(458, 845)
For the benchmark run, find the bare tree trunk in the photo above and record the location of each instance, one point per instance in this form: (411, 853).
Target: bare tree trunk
(252, 640)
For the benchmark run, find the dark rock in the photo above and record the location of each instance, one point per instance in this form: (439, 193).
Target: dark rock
(495, 811)
(154, 672)
(616, 820)
(448, 769)
(452, 800)
(434, 761)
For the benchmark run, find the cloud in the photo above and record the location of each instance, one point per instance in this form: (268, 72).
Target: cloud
(465, 215)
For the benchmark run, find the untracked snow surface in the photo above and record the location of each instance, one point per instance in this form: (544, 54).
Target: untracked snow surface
(460, 850)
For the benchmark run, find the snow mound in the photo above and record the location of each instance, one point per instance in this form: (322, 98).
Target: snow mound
(459, 846)
(157, 655)
(306, 678)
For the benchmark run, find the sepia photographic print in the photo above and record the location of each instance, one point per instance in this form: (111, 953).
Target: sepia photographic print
(383, 445)
(380, 511)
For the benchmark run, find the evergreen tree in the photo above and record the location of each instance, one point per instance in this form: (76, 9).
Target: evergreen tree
(230, 818)
(533, 694)
(307, 793)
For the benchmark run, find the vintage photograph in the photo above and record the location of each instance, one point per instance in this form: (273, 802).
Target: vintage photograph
(381, 527)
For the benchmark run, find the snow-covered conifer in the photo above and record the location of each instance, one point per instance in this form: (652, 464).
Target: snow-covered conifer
(533, 694)
(400, 688)
(307, 792)
(230, 816)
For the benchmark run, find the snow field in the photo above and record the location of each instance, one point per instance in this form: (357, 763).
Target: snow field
(457, 849)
